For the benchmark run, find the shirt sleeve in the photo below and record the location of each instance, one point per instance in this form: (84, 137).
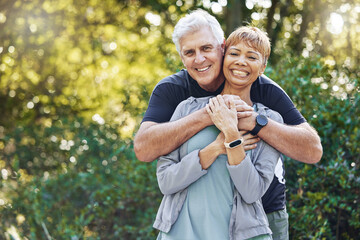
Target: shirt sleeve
(163, 101)
(274, 97)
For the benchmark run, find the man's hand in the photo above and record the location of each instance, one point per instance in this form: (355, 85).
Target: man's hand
(242, 108)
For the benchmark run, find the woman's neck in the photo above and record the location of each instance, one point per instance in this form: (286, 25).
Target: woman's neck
(243, 93)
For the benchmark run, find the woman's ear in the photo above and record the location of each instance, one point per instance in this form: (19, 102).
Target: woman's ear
(262, 69)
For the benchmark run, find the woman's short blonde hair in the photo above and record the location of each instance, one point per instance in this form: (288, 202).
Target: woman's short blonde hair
(253, 37)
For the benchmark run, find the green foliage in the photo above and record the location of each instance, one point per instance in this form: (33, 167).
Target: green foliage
(87, 186)
(323, 198)
(75, 78)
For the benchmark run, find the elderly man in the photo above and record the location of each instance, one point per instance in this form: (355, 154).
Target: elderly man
(199, 40)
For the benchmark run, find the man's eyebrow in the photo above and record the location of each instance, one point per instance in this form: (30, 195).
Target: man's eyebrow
(207, 45)
(187, 50)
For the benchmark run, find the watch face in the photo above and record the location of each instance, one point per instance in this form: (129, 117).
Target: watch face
(235, 143)
(261, 120)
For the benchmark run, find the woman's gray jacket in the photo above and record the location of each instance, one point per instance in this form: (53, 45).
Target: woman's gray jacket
(251, 178)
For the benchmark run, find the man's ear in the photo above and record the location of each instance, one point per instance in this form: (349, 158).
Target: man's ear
(223, 47)
(182, 60)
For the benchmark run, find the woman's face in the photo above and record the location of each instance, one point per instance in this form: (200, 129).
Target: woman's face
(242, 65)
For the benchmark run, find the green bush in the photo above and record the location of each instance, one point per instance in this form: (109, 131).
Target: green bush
(323, 199)
(71, 178)
(77, 181)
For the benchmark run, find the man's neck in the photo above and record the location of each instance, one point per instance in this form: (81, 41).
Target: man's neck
(216, 84)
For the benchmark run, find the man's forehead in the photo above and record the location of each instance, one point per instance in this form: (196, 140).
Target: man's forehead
(198, 38)
(198, 43)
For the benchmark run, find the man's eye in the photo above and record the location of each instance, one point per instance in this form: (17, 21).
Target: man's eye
(234, 54)
(252, 58)
(188, 53)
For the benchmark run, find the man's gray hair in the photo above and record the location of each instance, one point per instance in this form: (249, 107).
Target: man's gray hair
(195, 21)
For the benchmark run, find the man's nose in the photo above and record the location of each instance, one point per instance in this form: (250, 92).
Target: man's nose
(199, 58)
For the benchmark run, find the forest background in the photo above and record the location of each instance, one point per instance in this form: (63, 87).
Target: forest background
(75, 79)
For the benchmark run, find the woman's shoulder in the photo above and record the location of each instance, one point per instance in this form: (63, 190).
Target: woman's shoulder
(188, 106)
(192, 103)
(262, 109)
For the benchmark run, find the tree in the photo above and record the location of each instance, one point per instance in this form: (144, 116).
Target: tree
(75, 78)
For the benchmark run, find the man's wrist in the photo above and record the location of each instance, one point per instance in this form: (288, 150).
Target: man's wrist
(205, 117)
(260, 122)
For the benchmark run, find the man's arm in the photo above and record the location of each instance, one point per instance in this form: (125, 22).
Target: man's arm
(300, 142)
(156, 139)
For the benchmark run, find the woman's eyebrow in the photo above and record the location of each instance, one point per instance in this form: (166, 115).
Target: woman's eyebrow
(250, 51)
(257, 53)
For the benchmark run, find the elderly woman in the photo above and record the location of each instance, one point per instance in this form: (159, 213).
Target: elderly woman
(212, 187)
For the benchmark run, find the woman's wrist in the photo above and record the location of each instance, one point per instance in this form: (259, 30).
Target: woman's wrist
(232, 135)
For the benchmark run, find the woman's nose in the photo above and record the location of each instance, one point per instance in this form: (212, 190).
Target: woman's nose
(241, 60)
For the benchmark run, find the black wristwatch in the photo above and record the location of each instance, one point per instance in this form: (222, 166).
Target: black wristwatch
(261, 121)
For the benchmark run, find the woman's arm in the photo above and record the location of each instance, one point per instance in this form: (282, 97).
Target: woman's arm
(253, 176)
(224, 116)
(175, 174)
(178, 169)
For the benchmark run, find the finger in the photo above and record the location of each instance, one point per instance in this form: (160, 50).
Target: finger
(220, 100)
(251, 140)
(211, 103)
(227, 102)
(244, 114)
(249, 147)
(243, 132)
(214, 102)
(208, 110)
(235, 97)
(243, 107)
(232, 105)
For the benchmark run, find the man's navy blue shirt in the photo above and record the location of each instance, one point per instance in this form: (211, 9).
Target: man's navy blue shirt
(172, 90)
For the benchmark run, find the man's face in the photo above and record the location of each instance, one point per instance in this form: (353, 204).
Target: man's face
(202, 56)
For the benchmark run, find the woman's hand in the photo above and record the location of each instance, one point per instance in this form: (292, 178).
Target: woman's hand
(224, 116)
(249, 140)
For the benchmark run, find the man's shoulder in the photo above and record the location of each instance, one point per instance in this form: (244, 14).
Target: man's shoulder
(180, 79)
(263, 80)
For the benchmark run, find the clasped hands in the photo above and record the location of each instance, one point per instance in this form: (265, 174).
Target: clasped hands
(225, 112)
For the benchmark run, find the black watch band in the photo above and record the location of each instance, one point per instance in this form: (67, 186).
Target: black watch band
(261, 121)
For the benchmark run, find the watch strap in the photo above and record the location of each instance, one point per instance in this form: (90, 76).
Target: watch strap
(234, 143)
(256, 129)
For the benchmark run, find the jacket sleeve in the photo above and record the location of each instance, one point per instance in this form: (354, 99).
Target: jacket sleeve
(175, 174)
(178, 170)
(252, 177)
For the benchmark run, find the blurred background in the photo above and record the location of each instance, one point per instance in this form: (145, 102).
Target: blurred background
(75, 79)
